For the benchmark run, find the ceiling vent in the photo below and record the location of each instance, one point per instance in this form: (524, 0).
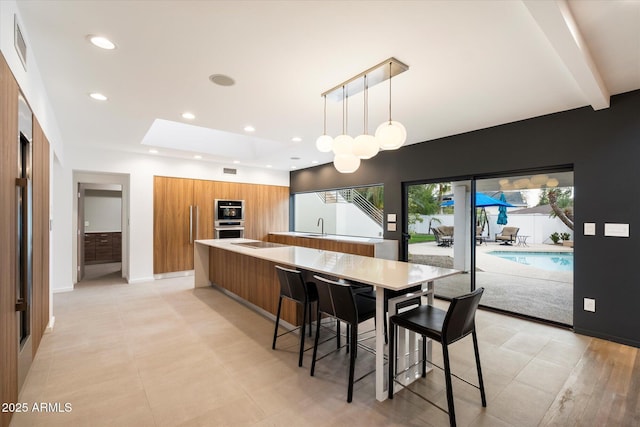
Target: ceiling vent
(230, 171)
(19, 43)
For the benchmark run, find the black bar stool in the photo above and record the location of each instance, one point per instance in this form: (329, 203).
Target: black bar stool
(338, 300)
(295, 288)
(447, 327)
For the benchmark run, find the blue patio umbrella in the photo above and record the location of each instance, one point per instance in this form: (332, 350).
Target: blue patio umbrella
(502, 211)
(482, 200)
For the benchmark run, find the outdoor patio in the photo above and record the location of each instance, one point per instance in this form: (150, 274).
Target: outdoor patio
(508, 285)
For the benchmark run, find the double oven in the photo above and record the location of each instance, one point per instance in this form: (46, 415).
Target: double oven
(229, 219)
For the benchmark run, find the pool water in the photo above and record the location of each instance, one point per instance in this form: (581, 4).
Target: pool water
(551, 261)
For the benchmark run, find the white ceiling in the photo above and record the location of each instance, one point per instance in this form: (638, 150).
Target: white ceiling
(472, 64)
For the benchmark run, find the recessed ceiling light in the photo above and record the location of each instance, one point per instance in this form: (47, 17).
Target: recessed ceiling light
(98, 96)
(293, 167)
(221, 80)
(153, 151)
(189, 116)
(314, 162)
(269, 166)
(101, 42)
(249, 128)
(296, 139)
(197, 156)
(236, 161)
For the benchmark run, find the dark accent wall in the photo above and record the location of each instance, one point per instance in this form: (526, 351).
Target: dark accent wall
(603, 147)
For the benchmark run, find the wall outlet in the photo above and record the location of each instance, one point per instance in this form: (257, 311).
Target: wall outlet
(590, 305)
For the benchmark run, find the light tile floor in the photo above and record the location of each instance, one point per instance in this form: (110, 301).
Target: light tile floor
(165, 354)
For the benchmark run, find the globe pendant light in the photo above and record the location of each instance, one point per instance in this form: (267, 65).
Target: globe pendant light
(324, 143)
(344, 161)
(343, 144)
(365, 146)
(391, 135)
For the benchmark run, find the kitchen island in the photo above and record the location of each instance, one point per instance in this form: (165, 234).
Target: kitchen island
(246, 268)
(367, 246)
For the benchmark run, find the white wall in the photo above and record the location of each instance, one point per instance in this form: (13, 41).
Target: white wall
(102, 211)
(339, 218)
(308, 208)
(61, 236)
(351, 221)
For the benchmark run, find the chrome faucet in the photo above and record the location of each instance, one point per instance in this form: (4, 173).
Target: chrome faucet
(321, 220)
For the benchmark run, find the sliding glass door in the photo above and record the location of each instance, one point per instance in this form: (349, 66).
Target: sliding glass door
(511, 234)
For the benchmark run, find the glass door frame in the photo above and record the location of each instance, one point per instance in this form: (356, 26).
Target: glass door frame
(404, 244)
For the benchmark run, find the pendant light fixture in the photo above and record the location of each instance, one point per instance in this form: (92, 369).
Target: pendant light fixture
(391, 135)
(365, 146)
(345, 161)
(324, 142)
(343, 144)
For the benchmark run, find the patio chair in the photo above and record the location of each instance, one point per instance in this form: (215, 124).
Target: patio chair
(479, 237)
(508, 235)
(444, 235)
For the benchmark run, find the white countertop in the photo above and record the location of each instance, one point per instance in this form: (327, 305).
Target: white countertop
(395, 275)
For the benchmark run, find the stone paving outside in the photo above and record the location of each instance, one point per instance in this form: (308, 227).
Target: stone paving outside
(508, 285)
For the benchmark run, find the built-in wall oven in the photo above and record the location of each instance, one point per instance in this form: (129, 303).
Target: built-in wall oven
(229, 218)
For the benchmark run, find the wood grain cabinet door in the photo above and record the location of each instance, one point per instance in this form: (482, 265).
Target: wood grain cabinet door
(173, 225)
(203, 197)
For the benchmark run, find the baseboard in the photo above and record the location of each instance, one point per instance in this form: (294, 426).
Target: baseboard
(174, 274)
(619, 340)
(60, 290)
(50, 325)
(140, 280)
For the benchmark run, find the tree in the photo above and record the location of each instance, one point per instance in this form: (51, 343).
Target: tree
(561, 202)
(422, 201)
(443, 188)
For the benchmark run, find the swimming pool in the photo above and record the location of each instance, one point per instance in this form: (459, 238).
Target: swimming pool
(551, 261)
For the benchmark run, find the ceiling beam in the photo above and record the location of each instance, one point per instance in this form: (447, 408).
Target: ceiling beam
(556, 22)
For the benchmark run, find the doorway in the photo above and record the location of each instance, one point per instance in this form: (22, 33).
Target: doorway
(518, 229)
(101, 224)
(99, 231)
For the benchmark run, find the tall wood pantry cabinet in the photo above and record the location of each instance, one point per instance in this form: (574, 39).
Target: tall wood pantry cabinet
(183, 213)
(18, 348)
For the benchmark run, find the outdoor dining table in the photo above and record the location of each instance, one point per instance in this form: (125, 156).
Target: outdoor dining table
(380, 273)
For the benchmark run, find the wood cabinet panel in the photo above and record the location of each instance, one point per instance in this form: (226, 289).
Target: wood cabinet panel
(102, 247)
(89, 248)
(252, 279)
(172, 249)
(116, 246)
(203, 197)
(324, 244)
(8, 236)
(266, 210)
(40, 171)
(40, 290)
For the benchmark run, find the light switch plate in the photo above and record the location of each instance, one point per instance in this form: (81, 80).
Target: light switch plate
(589, 228)
(616, 230)
(590, 305)
(391, 226)
(391, 217)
